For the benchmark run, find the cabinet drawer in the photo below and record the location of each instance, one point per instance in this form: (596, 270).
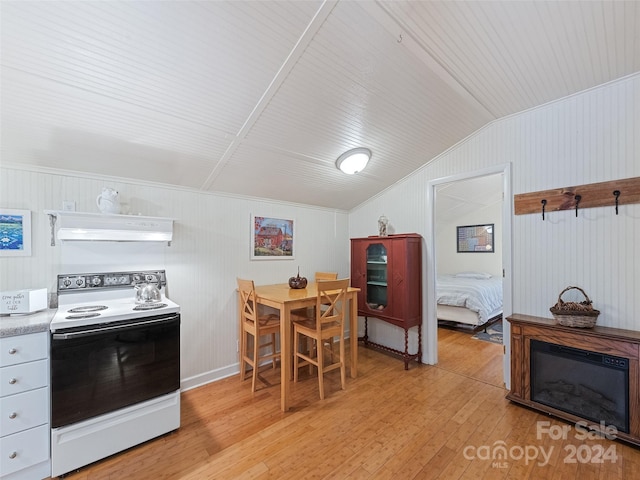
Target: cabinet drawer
(23, 348)
(24, 410)
(24, 449)
(23, 377)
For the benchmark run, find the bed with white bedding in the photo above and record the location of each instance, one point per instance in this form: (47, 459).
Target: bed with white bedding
(468, 297)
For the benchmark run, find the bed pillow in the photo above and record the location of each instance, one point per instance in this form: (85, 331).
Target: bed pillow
(478, 275)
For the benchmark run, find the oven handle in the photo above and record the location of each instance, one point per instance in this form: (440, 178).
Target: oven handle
(86, 333)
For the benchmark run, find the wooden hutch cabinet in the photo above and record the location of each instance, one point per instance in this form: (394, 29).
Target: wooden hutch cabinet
(387, 270)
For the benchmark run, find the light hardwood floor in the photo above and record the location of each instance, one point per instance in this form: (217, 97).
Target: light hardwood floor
(429, 422)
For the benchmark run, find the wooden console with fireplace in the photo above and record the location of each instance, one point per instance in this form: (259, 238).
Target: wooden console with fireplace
(577, 374)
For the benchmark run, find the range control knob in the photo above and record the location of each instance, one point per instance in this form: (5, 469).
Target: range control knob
(66, 282)
(96, 280)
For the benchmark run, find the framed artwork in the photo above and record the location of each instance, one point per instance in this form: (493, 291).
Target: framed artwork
(272, 238)
(15, 233)
(476, 238)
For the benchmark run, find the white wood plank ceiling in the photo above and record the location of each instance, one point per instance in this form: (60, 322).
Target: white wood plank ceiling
(260, 97)
(456, 199)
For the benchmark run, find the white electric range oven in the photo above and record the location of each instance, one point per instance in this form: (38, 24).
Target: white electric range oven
(115, 366)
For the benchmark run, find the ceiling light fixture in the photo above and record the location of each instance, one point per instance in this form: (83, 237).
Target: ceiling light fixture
(354, 160)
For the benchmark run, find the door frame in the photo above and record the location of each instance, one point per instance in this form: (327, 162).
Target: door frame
(430, 321)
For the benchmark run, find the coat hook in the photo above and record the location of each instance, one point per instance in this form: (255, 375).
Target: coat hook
(617, 195)
(578, 198)
(544, 204)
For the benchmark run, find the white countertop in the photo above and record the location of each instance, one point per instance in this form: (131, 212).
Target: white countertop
(23, 324)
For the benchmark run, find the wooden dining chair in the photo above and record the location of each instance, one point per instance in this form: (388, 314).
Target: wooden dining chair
(320, 276)
(257, 326)
(327, 322)
(302, 313)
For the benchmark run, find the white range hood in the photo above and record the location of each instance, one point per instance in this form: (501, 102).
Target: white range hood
(76, 226)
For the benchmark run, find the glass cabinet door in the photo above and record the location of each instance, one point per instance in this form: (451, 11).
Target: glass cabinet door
(376, 276)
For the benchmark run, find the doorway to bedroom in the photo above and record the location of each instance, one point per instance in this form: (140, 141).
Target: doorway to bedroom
(469, 224)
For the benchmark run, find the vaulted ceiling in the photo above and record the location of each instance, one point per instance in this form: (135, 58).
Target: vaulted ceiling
(260, 97)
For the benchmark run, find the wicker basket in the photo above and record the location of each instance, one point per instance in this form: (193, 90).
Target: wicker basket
(573, 314)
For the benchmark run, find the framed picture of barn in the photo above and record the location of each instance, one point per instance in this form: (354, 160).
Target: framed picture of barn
(272, 238)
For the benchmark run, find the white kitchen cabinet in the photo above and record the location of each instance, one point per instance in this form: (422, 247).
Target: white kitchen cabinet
(24, 407)
(23, 377)
(23, 348)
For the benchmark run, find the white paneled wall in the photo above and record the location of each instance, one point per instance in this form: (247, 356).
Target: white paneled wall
(211, 247)
(450, 261)
(587, 138)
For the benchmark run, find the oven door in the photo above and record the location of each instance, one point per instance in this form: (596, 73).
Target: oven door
(100, 368)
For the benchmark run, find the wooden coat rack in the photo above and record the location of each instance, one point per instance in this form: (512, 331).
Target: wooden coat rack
(613, 193)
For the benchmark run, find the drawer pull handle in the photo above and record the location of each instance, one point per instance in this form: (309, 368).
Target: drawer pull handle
(13, 415)
(12, 351)
(13, 381)
(13, 455)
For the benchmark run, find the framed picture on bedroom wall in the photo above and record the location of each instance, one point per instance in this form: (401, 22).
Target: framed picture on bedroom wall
(475, 238)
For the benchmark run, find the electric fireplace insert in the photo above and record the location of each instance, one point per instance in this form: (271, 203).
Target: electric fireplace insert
(590, 385)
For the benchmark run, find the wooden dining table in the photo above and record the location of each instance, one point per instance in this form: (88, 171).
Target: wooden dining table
(285, 299)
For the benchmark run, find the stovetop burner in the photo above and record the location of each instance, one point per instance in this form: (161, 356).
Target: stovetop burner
(88, 308)
(82, 315)
(149, 306)
(87, 299)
